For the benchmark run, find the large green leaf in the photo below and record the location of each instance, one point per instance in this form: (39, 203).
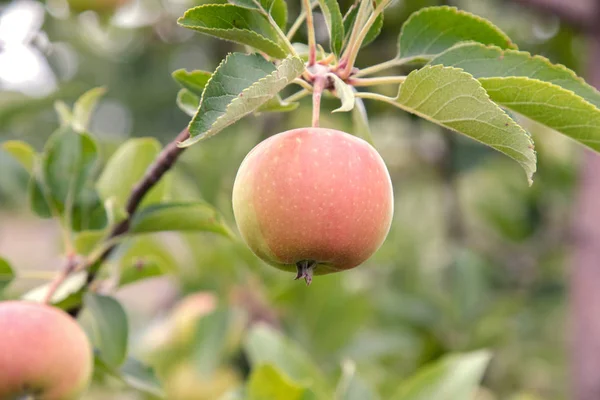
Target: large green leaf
(88, 212)
(432, 30)
(179, 217)
(238, 24)
(126, 167)
(268, 383)
(493, 62)
(105, 322)
(194, 81)
(550, 105)
(265, 346)
(453, 377)
(6, 274)
(68, 161)
(335, 24)
(22, 152)
(239, 86)
(276, 8)
(455, 100)
(39, 198)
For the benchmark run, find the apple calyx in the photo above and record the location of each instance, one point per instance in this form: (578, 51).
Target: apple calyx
(305, 270)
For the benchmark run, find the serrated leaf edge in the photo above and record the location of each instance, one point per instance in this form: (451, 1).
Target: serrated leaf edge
(525, 53)
(456, 11)
(481, 89)
(192, 140)
(206, 29)
(584, 102)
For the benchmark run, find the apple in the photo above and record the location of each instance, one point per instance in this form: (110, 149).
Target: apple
(43, 353)
(100, 6)
(313, 200)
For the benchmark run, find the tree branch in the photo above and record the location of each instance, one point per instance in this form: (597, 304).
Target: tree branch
(163, 163)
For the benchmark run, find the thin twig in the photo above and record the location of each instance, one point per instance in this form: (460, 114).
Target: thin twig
(310, 27)
(296, 96)
(69, 268)
(380, 80)
(319, 86)
(298, 22)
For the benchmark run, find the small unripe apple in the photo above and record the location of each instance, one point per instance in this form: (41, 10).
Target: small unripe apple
(313, 200)
(103, 7)
(43, 353)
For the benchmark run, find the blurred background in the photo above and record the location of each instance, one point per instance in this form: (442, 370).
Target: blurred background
(475, 258)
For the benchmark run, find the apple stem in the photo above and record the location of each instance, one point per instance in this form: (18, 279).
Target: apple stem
(305, 270)
(318, 87)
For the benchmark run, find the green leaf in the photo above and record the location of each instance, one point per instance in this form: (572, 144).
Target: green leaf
(351, 386)
(263, 345)
(239, 86)
(132, 373)
(194, 81)
(70, 288)
(335, 24)
(126, 167)
(86, 241)
(432, 30)
(276, 104)
(374, 30)
(453, 377)
(493, 62)
(68, 161)
(38, 199)
(237, 24)
(141, 377)
(344, 92)
(84, 107)
(211, 339)
(188, 102)
(105, 321)
(65, 115)
(268, 383)
(88, 212)
(145, 257)
(22, 152)
(455, 100)
(360, 121)
(6, 274)
(179, 217)
(277, 9)
(548, 104)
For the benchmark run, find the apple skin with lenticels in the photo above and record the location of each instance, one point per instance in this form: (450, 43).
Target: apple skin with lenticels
(313, 200)
(44, 353)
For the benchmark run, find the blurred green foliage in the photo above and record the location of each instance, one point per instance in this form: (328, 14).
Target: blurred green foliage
(475, 258)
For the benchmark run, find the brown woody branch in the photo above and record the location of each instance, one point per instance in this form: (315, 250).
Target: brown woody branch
(163, 163)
